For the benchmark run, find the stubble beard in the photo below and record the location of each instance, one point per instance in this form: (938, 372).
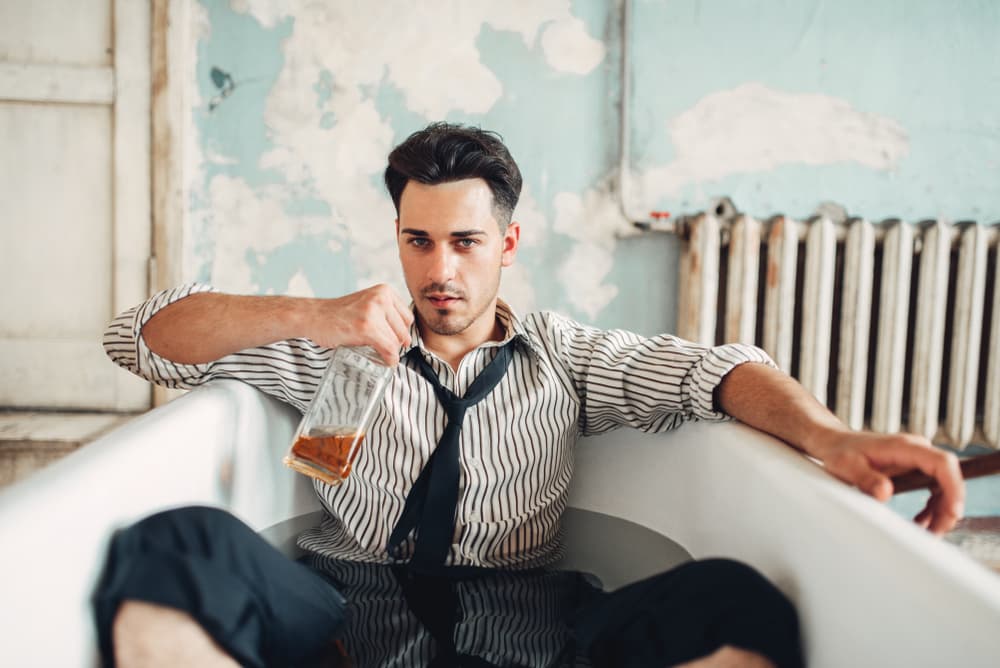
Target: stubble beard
(443, 323)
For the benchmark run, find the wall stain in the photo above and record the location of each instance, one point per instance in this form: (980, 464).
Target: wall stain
(224, 82)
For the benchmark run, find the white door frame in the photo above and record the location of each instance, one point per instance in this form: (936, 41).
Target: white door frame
(172, 60)
(173, 53)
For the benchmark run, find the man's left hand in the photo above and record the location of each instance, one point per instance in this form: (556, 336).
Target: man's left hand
(867, 460)
(773, 401)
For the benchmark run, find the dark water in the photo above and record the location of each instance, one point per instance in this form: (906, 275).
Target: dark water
(488, 618)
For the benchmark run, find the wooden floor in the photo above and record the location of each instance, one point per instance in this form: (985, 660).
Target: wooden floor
(31, 440)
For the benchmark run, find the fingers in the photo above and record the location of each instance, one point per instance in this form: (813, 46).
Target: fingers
(937, 515)
(387, 345)
(387, 334)
(376, 317)
(912, 452)
(857, 470)
(387, 323)
(947, 502)
(400, 319)
(865, 459)
(403, 308)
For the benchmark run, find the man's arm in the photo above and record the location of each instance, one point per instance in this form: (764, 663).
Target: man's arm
(771, 401)
(207, 326)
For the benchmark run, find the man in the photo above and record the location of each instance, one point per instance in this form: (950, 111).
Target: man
(499, 481)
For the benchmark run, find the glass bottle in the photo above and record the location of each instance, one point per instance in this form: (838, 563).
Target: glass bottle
(333, 428)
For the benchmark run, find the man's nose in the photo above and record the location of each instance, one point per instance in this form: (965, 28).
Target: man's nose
(442, 266)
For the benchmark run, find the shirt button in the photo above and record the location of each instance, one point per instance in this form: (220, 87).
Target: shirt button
(475, 516)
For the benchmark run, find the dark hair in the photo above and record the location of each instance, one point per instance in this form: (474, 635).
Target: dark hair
(445, 152)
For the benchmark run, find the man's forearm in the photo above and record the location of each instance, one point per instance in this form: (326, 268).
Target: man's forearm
(772, 401)
(207, 326)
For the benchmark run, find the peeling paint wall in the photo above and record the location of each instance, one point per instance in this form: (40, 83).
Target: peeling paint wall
(885, 108)
(888, 108)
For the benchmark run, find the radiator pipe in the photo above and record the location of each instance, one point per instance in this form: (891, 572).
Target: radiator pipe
(658, 221)
(880, 228)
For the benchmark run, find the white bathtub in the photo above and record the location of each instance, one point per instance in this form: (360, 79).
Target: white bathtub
(871, 589)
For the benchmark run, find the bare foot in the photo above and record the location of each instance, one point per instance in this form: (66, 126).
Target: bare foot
(149, 636)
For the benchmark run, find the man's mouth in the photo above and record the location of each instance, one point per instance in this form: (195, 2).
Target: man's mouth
(442, 301)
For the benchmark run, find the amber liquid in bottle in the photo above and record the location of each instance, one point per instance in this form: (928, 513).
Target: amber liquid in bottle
(325, 454)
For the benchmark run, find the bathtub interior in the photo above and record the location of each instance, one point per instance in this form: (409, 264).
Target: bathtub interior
(871, 588)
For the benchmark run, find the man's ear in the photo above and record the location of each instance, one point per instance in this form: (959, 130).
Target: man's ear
(511, 237)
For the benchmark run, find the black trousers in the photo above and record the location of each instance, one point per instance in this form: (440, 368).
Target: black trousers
(265, 609)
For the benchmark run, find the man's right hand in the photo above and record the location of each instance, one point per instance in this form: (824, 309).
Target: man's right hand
(207, 326)
(376, 317)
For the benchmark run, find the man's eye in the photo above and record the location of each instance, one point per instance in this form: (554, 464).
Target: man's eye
(419, 242)
(466, 243)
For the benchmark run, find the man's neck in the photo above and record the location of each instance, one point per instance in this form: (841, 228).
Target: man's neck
(452, 348)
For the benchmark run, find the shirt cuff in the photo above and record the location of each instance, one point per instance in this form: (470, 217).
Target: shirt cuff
(152, 365)
(708, 373)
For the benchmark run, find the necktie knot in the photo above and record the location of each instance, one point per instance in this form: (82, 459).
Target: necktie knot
(455, 410)
(454, 405)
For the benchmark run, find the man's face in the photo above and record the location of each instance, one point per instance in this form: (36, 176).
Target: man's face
(452, 252)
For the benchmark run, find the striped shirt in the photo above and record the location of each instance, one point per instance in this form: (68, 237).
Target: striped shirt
(566, 380)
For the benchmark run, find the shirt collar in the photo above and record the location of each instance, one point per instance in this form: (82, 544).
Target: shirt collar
(512, 325)
(514, 329)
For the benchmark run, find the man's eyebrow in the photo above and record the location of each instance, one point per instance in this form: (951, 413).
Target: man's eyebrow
(457, 233)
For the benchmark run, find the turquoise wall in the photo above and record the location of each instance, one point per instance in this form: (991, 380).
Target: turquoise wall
(916, 79)
(886, 108)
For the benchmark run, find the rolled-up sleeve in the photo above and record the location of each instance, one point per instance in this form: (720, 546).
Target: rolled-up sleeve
(288, 370)
(649, 383)
(713, 366)
(124, 344)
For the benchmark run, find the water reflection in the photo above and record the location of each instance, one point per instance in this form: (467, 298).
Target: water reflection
(463, 618)
(485, 618)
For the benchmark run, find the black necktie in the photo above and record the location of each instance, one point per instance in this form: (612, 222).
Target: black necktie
(430, 505)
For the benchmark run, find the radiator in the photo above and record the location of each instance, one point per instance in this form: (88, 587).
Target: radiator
(894, 326)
